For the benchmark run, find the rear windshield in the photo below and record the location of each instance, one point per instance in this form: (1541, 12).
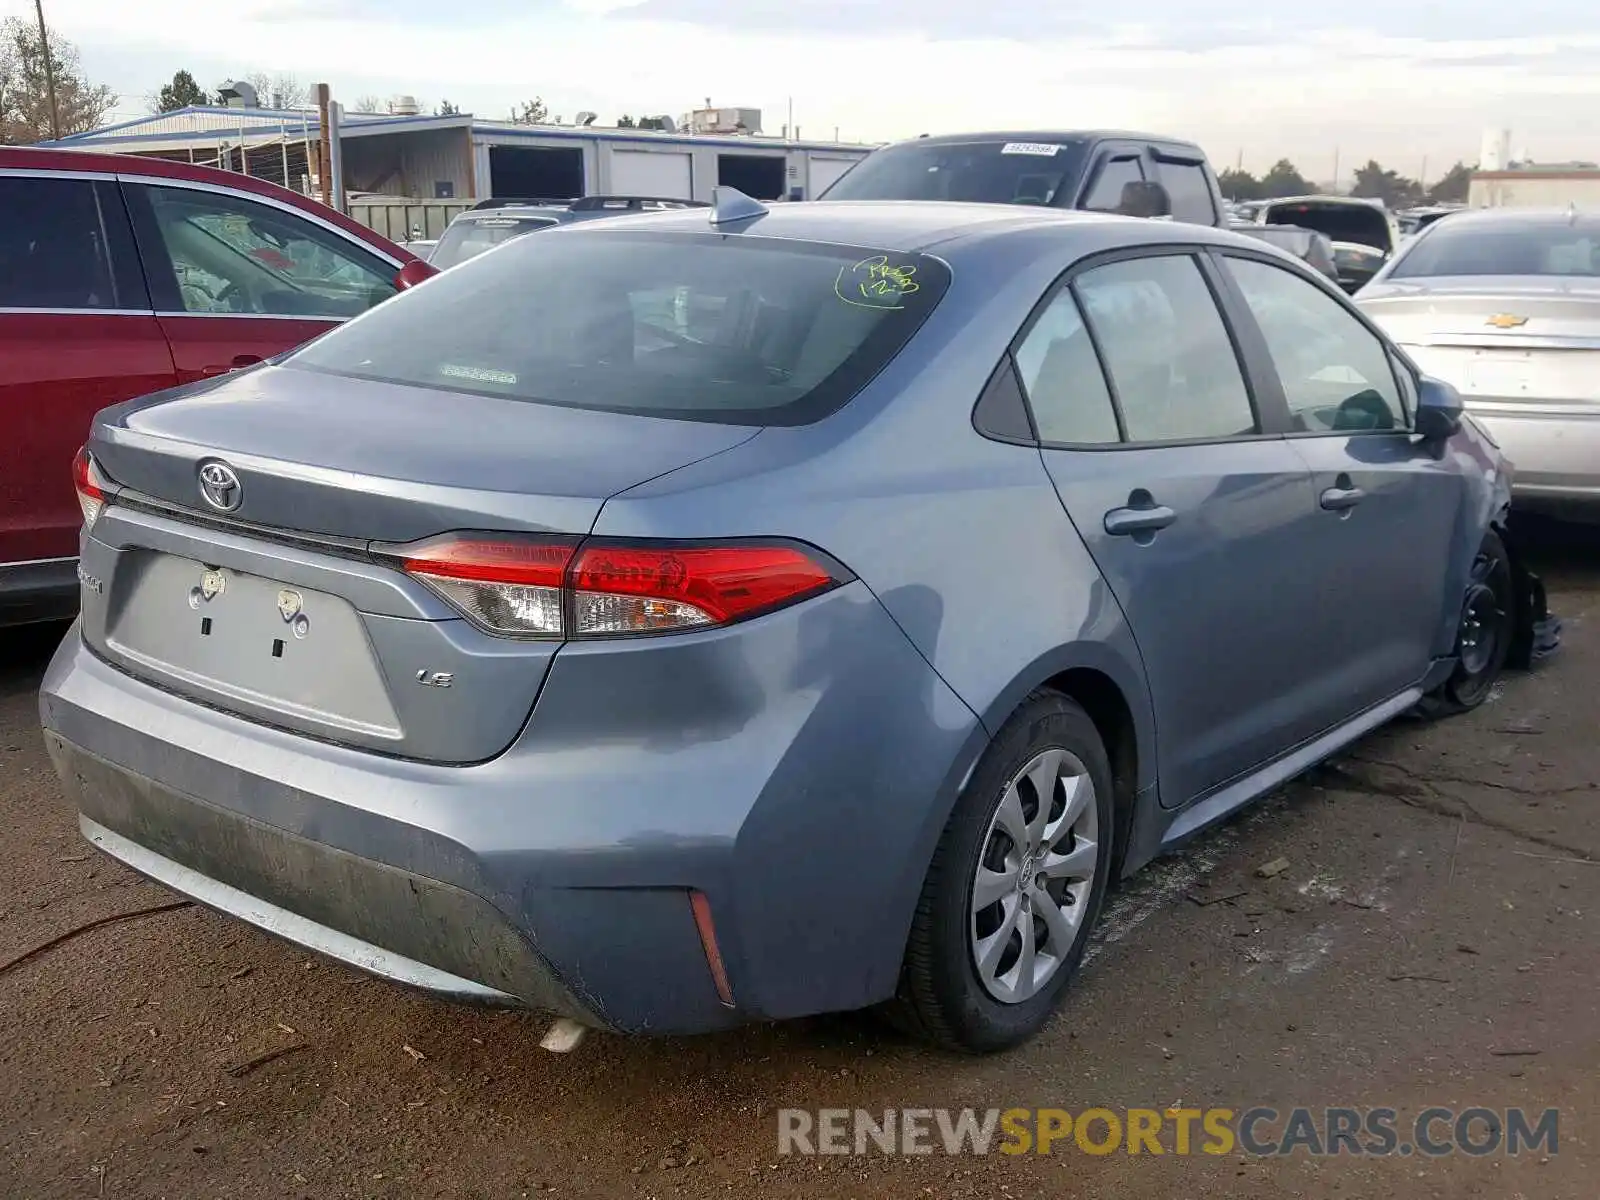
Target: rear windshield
(732, 328)
(1558, 247)
(986, 172)
(468, 239)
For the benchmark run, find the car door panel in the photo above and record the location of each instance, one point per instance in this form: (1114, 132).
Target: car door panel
(1387, 507)
(1388, 545)
(1213, 582)
(1199, 531)
(76, 334)
(204, 346)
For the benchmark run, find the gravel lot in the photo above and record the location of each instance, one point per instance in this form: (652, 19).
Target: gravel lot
(1432, 941)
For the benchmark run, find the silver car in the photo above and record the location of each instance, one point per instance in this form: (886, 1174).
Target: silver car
(1505, 304)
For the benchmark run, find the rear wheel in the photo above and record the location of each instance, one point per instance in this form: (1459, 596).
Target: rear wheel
(1483, 636)
(1015, 885)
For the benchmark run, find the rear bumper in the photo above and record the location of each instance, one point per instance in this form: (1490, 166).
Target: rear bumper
(1557, 458)
(800, 786)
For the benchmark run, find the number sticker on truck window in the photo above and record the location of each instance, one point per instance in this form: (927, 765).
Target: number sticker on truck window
(1039, 149)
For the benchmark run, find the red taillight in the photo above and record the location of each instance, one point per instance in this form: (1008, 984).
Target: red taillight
(91, 496)
(508, 586)
(554, 587)
(639, 589)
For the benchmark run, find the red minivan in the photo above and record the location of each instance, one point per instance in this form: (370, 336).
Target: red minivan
(121, 276)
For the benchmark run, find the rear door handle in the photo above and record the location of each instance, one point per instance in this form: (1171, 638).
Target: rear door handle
(1124, 522)
(1336, 499)
(240, 361)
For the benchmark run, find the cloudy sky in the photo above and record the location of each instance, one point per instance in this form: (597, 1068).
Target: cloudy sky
(1365, 78)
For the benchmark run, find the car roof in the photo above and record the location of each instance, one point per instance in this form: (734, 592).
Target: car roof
(34, 158)
(1050, 135)
(917, 226)
(1326, 199)
(1544, 217)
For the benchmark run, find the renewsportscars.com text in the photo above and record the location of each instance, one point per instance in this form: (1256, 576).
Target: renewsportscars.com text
(1261, 1131)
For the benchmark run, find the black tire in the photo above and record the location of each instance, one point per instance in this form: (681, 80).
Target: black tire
(941, 998)
(1485, 634)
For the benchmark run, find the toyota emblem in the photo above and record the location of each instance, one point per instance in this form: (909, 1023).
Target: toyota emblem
(220, 487)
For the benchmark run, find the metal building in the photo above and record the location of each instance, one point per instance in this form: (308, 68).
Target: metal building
(460, 157)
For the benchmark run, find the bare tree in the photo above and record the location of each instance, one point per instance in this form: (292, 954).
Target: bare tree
(369, 104)
(24, 94)
(279, 91)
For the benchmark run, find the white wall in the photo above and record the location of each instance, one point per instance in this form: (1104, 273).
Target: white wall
(1533, 189)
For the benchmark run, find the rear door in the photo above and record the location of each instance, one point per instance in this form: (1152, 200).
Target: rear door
(237, 279)
(1386, 506)
(1192, 506)
(76, 333)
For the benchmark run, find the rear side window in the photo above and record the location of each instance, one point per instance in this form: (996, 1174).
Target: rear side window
(54, 246)
(1062, 378)
(1106, 194)
(1167, 350)
(1190, 191)
(741, 330)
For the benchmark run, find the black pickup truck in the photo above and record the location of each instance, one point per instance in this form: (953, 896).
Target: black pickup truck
(1138, 174)
(1135, 174)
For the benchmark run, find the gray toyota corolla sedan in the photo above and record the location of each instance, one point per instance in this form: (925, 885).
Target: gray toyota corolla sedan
(683, 620)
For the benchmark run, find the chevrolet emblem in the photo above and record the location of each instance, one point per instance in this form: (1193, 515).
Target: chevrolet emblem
(1506, 321)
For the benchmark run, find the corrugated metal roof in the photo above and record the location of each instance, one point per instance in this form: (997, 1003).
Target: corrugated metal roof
(212, 126)
(216, 120)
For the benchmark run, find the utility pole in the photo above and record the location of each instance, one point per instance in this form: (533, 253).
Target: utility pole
(324, 144)
(49, 72)
(1336, 170)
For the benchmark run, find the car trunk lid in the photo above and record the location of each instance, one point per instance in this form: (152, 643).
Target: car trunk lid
(282, 611)
(1517, 344)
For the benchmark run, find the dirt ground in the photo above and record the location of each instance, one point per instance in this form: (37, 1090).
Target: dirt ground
(1431, 942)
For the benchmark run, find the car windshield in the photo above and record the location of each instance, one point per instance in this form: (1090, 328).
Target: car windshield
(1552, 246)
(468, 239)
(990, 172)
(740, 330)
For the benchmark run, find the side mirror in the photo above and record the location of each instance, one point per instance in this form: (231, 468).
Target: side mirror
(1438, 410)
(414, 272)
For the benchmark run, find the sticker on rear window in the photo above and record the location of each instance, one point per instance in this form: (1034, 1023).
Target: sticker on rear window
(876, 282)
(478, 374)
(1040, 149)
